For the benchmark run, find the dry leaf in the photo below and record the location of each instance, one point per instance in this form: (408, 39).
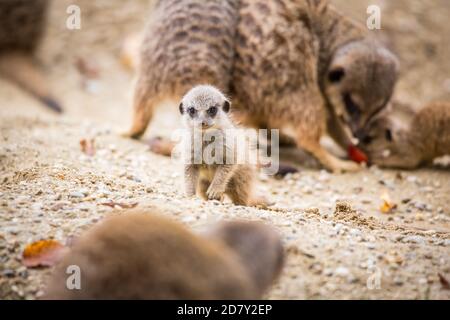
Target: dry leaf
(388, 206)
(87, 68)
(43, 253)
(88, 146)
(444, 282)
(122, 205)
(161, 146)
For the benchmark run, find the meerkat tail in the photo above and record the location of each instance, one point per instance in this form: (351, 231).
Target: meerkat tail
(19, 68)
(260, 201)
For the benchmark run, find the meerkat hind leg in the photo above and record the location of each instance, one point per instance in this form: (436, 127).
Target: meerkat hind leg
(142, 114)
(239, 191)
(144, 103)
(203, 186)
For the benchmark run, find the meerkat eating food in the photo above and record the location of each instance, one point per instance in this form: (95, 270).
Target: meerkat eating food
(22, 25)
(140, 255)
(294, 65)
(205, 115)
(404, 138)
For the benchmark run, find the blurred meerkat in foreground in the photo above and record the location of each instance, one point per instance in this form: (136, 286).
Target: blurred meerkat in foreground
(22, 25)
(139, 255)
(294, 65)
(404, 138)
(205, 114)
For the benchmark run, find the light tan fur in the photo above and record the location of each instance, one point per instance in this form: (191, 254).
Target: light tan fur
(141, 255)
(214, 179)
(286, 64)
(404, 138)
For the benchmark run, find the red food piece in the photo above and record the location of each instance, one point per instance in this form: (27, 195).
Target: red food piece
(356, 154)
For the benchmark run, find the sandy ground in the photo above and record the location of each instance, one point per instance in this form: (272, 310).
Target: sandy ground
(50, 189)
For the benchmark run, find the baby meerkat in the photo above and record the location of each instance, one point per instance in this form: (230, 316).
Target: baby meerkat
(22, 25)
(294, 65)
(404, 138)
(141, 255)
(205, 114)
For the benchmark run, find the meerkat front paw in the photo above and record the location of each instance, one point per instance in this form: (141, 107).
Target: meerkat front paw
(214, 193)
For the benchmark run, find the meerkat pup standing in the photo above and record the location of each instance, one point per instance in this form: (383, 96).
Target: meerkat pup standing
(140, 255)
(404, 138)
(22, 25)
(205, 114)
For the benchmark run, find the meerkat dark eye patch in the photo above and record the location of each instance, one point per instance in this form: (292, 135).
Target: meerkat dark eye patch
(388, 135)
(212, 111)
(336, 75)
(181, 108)
(351, 107)
(366, 140)
(192, 111)
(226, 106)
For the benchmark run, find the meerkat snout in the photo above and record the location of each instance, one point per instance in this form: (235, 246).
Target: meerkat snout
(258, 246)
(203, 107)
(360, 81)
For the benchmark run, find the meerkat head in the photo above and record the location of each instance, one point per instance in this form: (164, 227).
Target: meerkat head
(359, 82)
(258, 247)
(387, 140)
(205, 107)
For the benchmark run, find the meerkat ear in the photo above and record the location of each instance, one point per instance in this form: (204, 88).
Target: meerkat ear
(226, 106)
(258, 247)
(336, 74)
(181, 108)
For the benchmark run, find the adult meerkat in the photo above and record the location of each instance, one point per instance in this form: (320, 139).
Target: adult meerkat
(22, 25)
(404, 138)
(140, 255)
(186, 43)
(216, 174)
(303, 68)
(294, 65)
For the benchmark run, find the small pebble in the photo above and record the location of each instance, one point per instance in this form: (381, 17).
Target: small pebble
(8, 273)
(414, 239)
(76, 194)
(342, 272)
